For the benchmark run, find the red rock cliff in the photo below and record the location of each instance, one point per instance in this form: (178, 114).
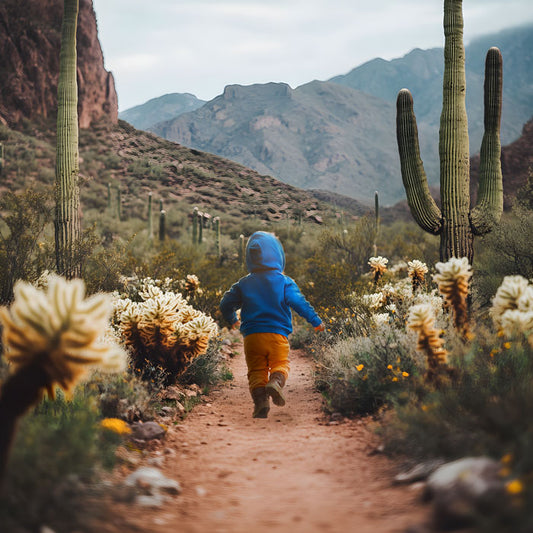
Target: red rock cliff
(30, 35)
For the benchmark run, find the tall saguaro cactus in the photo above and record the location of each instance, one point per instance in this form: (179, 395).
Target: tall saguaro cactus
(455, 222)
(67, 198)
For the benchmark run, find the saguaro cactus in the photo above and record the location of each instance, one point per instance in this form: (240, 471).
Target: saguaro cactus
(195, 226)
(162, 224)
(456, 223)
(218, 247)
(150, 217)
(67, 196)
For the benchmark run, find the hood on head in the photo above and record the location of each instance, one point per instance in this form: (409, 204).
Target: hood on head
(264, 252)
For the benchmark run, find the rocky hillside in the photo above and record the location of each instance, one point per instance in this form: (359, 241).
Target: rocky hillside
(320, 136)
(517, 165)
(138, 163)
(160, 109)
(30, 36)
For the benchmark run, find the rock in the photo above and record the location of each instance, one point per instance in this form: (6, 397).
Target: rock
(463, 489)
(419, 472)
(30, 43)
(150, 500)
(172, 393)
(147, 431)
(151, 480)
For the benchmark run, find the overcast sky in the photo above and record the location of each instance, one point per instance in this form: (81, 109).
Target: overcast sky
(200, 46)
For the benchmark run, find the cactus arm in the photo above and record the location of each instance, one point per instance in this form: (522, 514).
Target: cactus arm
(489, 206)
(422, 206)
(67, 219)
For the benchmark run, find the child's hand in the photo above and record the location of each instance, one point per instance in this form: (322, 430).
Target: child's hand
(320, 327)
(236, 325)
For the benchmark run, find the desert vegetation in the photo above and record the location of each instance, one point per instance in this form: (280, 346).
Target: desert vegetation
(113, 322)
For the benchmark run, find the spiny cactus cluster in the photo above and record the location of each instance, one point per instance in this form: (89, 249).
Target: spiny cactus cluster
(421, 320)
(51, 338)
(60, 330)
(162, 329)
(512, 307)
(379, 266)
(417, 272)
(453, 279)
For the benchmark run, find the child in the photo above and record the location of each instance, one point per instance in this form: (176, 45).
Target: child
(265, 297)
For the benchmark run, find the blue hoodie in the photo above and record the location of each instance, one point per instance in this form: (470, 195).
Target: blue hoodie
(266, 296)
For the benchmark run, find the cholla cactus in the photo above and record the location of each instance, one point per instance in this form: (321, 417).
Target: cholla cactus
(59, 330)
(417, 272)
(192, 283)
(512, 307)
(421, 320)
(163, 329)
(507, 296)
(379, 266)
(453, 278)
(51, 338)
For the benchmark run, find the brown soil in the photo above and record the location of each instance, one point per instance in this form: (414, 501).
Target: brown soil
(293, 472)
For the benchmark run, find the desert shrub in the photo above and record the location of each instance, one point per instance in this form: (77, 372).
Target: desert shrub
(359, 375)
(207, 369)
(57, 454)
(23, 217)
(126, 396)
(505, 251)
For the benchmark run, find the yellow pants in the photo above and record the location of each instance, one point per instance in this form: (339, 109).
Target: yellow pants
(265, 353)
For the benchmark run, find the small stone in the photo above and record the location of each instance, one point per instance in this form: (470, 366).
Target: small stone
(418, 472)
(200, 491)
(147, 431)
(152, 478)
(153, 500)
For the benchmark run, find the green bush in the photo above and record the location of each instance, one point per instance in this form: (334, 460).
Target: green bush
(358, 376)
(57, 453)
(485, 412)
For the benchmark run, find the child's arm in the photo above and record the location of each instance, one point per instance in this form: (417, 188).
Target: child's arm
(231, 301)
(295, 299)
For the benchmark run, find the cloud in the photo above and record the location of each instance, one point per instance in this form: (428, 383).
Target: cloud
(199, 46)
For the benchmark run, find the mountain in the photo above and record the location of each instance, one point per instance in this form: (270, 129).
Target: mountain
(160, 109)
(421, 72)
(517, 166)
(30, 39)
(320, 136)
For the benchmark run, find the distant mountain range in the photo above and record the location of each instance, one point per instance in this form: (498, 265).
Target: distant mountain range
(339, 135)
(159, 109)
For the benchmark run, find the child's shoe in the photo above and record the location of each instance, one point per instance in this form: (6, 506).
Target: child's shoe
(261, 403)
(274, 386)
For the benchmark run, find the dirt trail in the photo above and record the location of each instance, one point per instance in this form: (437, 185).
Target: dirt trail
(289, 473)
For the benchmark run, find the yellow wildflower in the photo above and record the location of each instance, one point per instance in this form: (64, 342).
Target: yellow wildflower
(514, 486)
(360, 367)
(389, 367)
(394, 378)
(405, 374)
(116, 425)
(506, 345)
(507, 458)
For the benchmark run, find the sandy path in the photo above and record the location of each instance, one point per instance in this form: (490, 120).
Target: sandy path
(289, 473)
